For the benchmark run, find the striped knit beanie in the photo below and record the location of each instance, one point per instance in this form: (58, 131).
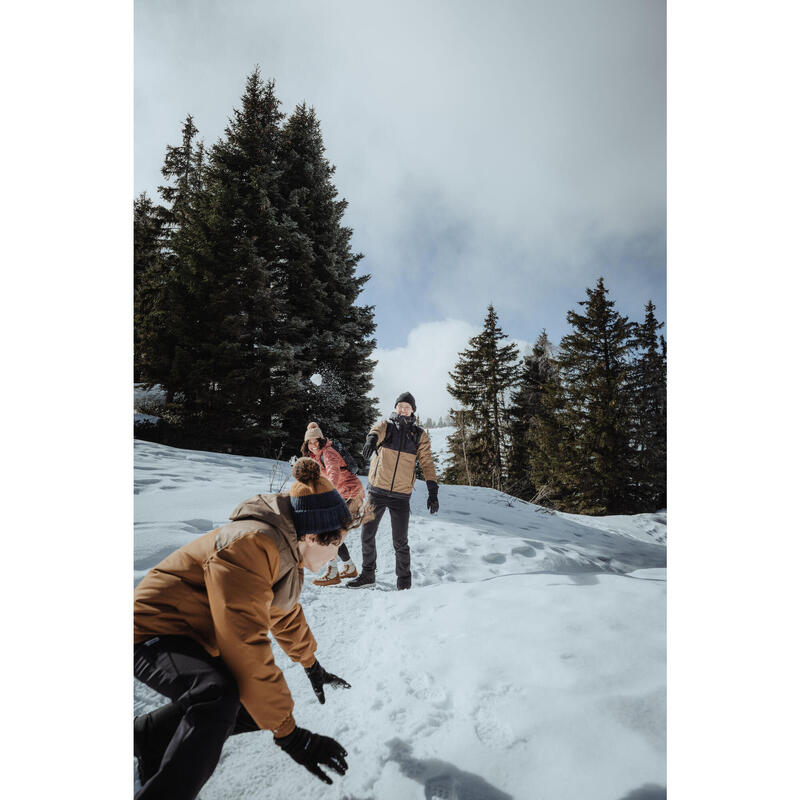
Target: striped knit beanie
(316, 506)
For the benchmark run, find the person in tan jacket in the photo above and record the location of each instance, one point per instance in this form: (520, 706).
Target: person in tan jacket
(202, 624)
(398, 443)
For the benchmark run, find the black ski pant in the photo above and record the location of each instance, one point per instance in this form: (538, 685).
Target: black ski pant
(399, 513)
(204, 711)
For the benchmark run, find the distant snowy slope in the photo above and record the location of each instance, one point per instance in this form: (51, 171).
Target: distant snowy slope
(438, 438)
(527, 661)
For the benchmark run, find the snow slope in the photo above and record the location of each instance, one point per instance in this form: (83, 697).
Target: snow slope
(527, 661)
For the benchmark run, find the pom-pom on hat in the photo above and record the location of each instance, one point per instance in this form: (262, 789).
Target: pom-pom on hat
(316, 506)
(313, 431)
(407, 397)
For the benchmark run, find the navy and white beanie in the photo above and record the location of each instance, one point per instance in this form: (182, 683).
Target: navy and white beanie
(316, 506)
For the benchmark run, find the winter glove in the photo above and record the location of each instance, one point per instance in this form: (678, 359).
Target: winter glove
(311, 750)
(370, 446)
(433, 496)
(319, 677)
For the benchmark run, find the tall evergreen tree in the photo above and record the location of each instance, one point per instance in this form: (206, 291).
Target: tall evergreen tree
(164, 300)
(254, 289)
(148, 270)
(526, 411)
(335, 338)
(244, 369)
(650, 412)
(596, 374)
(480, 382)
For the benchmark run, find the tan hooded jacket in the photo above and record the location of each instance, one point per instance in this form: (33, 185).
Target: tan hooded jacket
(400, 445)
(228, 589)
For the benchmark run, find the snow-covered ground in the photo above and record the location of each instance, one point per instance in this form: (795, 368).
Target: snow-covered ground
(527, 661)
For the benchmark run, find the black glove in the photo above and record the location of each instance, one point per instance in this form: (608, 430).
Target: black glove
(370, 446)
(319, 677)
(311, 750)
(433, 496)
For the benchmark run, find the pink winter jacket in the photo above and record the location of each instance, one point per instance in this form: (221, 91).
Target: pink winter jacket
(347, 484)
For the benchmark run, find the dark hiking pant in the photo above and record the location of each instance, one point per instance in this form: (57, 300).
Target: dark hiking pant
(353, 506)
(399, 513)
(191, 730)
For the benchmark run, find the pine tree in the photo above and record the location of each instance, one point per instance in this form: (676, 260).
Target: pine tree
(332, 336)
(163, 300)
(480, 381)
(148, 270)
(595, 399)
(650, 413)
(244, 367)
(526, 411)
(246, 287)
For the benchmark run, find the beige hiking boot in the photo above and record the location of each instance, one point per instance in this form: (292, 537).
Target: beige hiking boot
(330, 577)
(348, 570)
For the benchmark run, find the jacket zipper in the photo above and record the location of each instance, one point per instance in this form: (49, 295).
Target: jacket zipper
(391, 488)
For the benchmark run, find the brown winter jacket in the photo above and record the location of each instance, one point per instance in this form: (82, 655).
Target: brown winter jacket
(400, 446)
(228, 589)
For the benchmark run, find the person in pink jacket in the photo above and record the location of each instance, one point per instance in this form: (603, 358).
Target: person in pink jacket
(316, 446)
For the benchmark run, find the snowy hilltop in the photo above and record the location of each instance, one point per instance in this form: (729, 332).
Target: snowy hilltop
(527, 661)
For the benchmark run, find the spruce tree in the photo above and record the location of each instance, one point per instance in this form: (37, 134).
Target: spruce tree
(526, 411)
(480, 382)
(254, 288)
(148, 271)
(335, 338)
(164, 309)
(245, 364)
(596, 380)
(650, 413)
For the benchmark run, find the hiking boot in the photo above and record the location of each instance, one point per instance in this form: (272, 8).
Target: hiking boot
(330, 578)
(363, 580)
(404, 583)
(348, 570)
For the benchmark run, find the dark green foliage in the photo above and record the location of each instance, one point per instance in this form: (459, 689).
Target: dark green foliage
(148, 270)
(586, 426)
(527, 411)
(585, 439)
(595, 365)
(332, 336)
(481, 379)
(256, 289)
(650, 413)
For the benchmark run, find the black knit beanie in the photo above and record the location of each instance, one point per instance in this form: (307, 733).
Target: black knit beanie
(407, 397)
(316, 506)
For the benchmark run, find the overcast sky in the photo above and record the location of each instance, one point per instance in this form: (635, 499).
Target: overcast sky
(510, 152)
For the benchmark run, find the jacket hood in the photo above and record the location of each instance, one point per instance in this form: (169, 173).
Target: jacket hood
(273, 509)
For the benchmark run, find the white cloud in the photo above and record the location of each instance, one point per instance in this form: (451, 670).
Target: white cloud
(525, 137)
(422, 366)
